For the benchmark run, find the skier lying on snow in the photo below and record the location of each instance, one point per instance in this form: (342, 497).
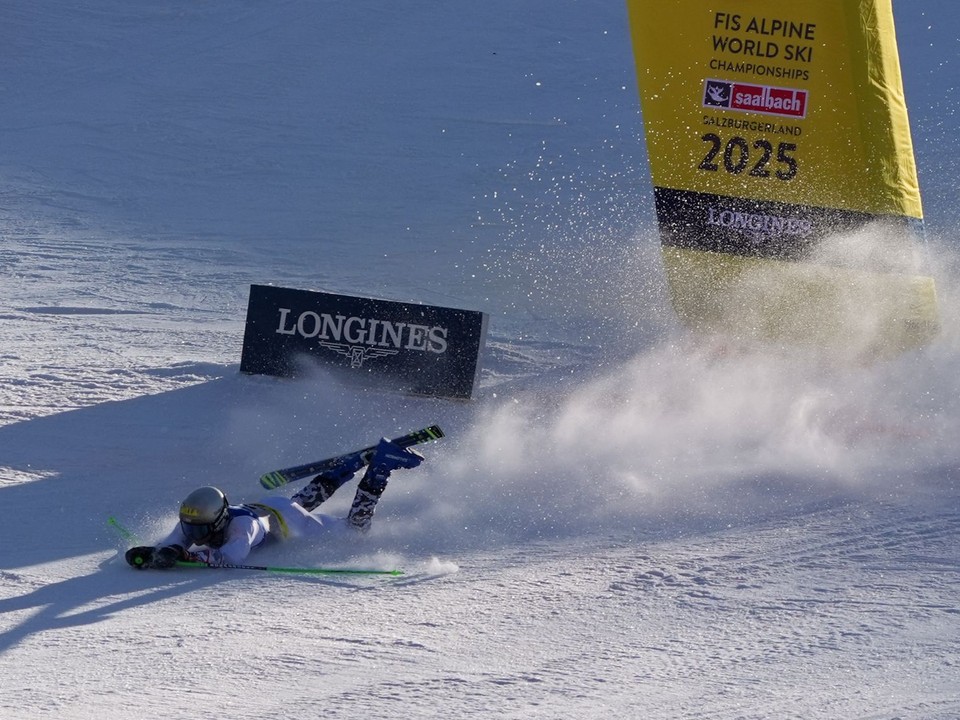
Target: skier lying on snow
(216, 533)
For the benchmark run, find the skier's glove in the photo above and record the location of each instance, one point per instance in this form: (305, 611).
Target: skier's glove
(140, 557)
(167, 557)
(145, 557)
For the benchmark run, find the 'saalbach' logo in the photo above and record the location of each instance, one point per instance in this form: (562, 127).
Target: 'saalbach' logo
(360, 338)
(765, 99)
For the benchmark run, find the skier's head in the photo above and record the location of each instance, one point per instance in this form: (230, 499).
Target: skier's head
(204, 516)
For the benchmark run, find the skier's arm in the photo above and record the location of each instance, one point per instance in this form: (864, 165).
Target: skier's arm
(243, 534)
(176, 537)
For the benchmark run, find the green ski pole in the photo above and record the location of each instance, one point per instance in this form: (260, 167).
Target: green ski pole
(124, 533)
(292, 570)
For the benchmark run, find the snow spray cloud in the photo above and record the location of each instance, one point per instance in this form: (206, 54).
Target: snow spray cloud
(685, 427)
(568, 256)
(635, 421)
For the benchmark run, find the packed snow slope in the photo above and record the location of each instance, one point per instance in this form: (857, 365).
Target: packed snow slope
(627, 521)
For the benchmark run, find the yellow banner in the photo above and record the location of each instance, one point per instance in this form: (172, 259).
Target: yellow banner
(771, 127)
(794, 102)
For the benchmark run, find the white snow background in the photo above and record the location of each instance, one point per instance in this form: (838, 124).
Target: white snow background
(624, 523)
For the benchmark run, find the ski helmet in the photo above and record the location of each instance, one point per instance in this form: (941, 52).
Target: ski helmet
(203, 515)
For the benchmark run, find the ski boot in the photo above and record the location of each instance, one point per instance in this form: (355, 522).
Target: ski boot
(387, 458)
(326, 483)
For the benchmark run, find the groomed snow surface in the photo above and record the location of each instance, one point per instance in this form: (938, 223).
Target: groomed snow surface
(626, 522)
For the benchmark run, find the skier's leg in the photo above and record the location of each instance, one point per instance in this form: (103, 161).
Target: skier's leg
(298, 522)
(387, 458)
(324, 485)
